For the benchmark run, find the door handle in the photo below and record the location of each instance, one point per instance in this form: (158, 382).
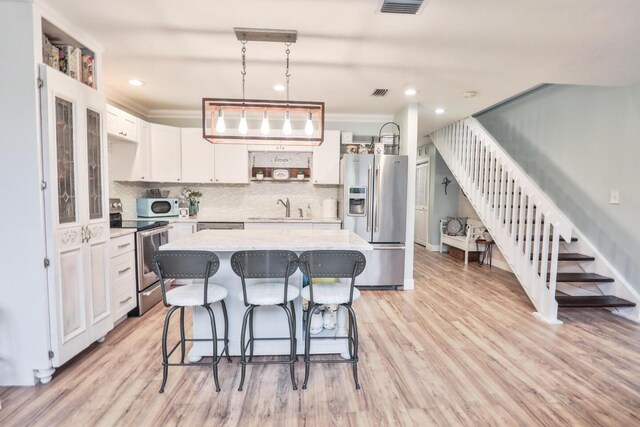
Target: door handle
(125, 300)
(376, 202)
(123, 246)
(124, 270)
(368, 198)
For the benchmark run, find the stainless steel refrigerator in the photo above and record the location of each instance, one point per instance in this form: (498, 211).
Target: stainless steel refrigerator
(374, 206)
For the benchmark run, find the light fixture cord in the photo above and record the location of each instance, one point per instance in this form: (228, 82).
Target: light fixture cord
(287, 74)
(244, 65)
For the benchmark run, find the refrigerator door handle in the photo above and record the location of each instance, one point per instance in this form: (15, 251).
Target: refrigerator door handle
(376, 202)
(367, 210)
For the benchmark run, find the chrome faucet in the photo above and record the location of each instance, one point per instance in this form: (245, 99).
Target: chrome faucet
(287, 206)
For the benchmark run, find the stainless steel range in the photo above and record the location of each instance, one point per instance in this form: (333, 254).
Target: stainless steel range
(149, 236)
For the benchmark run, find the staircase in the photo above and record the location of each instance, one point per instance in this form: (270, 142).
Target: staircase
(525, 225)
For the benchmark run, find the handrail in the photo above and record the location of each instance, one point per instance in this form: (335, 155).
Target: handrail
(517, 213)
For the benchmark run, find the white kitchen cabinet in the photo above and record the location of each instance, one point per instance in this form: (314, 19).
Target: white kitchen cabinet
(166, 153)
(279, 147)
(131, 162)
(74, 152)
(121, 124)
(231, 164)
(123, 275)
(198, 157)
(326, 159)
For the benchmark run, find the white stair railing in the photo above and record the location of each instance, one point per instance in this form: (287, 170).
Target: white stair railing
(525, 225)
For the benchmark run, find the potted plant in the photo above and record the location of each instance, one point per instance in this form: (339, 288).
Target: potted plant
(300, 174)
(194, 200)
(259, 174)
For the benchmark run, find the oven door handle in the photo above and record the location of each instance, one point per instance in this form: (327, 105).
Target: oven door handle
(153, 232)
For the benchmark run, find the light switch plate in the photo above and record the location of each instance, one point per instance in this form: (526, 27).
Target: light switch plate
(615, 197)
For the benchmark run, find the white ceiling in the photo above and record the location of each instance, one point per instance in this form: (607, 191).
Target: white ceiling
(185, 50)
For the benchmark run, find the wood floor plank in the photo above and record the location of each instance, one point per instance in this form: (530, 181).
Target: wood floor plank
(461, 349)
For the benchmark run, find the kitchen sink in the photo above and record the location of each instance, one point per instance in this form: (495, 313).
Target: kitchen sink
(277, 219)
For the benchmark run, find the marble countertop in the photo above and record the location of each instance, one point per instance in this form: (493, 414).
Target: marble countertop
(293, 240)
(118, 232)
(230, 218)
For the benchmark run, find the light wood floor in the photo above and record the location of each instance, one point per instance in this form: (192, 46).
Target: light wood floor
(462, 349)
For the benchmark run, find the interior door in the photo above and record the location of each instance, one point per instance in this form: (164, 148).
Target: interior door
(421, 228)
(62, 108)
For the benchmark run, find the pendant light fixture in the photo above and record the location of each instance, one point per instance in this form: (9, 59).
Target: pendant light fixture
(303, 121)
(243, 127)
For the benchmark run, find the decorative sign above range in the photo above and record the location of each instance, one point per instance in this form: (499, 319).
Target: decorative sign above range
(289, 166)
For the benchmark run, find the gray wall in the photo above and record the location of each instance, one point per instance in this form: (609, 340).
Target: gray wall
(440, 205)
(578, 143)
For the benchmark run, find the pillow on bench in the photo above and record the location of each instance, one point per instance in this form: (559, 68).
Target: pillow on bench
(455, 226)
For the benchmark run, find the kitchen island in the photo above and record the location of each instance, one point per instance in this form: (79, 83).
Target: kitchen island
(269, 321)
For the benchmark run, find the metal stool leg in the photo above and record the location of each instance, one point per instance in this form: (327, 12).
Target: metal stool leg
(226, 328)
(295, 330)
(354, 323)
(214, 337)
(307, 345)
(251, 336)
(182, 341)
(165, 358)
(292, 354)
(243, 359)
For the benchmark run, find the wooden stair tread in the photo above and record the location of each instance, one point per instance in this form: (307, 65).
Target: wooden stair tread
(571, 257)
(589, 301)
(582, 277)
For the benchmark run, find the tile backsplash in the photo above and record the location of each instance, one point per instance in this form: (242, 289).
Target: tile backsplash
(256, 199)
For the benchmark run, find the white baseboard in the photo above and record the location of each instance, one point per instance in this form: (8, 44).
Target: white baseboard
(409, 284)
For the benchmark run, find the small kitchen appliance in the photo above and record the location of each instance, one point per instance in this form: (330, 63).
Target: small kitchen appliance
(157, 207)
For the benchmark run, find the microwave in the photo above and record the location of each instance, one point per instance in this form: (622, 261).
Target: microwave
(150, 208)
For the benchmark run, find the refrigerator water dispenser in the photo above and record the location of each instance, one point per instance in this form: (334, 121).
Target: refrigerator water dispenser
(357, 201)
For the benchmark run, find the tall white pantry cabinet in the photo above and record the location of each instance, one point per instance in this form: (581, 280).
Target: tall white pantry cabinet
(55, 287)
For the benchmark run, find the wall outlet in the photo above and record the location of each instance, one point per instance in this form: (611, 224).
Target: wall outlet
(615, 197)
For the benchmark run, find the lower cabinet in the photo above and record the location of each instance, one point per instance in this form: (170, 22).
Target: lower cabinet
(123, 275)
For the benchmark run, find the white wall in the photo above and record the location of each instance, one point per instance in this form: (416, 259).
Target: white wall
(407, 118)
(23, 307)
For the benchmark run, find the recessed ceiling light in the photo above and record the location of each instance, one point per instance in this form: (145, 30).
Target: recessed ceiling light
(136, 82)
(410, 92)
(469, 94)
(440, 111)
(279, 87)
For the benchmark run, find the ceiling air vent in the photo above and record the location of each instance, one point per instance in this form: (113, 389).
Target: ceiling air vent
(407, 7)
(379, 92)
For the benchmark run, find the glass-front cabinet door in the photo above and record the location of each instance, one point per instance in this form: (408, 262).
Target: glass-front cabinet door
(74, 158)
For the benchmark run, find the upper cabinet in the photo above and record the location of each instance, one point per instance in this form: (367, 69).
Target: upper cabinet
(326, 159)
(231, 164)
(131, 162)
(166, 153)
(198, 157)
(278, 147)
(121, 124)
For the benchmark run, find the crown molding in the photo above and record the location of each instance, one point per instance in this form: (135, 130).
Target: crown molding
(122, 99)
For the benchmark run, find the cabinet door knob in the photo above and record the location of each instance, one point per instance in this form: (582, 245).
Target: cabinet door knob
(142, 177)
(178, 179)
(216, 179)
(211, 179)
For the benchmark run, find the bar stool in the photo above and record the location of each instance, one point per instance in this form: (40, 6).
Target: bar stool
(266, 265)
(191, 265)
(337, 264)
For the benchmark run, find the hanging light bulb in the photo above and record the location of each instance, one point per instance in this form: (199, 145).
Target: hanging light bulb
(243, 128)
(286, 129)
(220, 126)
(308, 127)
(265, 123)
